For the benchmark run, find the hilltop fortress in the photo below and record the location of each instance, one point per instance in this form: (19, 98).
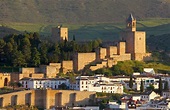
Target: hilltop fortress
(131, 47)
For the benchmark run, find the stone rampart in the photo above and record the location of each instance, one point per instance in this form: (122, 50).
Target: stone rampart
(47, 98)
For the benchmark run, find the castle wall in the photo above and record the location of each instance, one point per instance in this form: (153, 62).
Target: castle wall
(40, 97)
(123, 57)
(29, 70)
(67, 66)
(121, 48)
(111, 50)
(142, 56)
(83, 59)
(111, 62)
(101, 53)
(47, 98)
(98, 66)
(17, 98)
(68, 98)
(37, 75)
(52, 71)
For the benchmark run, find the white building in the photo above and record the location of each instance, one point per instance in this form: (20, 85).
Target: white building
(162, 104)
(52, 83)
(97, 84)
(86, 108)
(146, 96)
(115, 105)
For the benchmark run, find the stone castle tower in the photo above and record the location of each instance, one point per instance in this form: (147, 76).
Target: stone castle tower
(59, 34)
(135, 40)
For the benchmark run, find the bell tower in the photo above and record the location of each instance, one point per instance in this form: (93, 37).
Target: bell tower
(131, 23)
(135, 41)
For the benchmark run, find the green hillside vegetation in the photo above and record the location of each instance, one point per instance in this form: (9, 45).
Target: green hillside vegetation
(86, 19)
(128, 67)
(91, 31)
(159, 43)
(81, 11)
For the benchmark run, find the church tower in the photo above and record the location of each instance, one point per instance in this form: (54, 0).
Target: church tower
(131, 23)
(135, 40)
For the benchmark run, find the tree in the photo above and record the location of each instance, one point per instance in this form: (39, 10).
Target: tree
(26, 48)
(35, 57)
(141, 86)
(116, 70)
(18, 59)
(2, 44)
(160, 85)
(8, 48)
(131, 82)
(166, 86)
(151, 87)
(43, 52)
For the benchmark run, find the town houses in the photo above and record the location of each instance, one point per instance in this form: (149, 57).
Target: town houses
(97, 83)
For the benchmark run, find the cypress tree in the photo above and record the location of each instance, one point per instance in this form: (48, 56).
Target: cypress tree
(166, 86)
(131, 82)
(160, 85)
(141, 86)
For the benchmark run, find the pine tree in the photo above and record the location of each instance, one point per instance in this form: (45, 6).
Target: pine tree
(131, 82)
(141, 86)
(160, 85)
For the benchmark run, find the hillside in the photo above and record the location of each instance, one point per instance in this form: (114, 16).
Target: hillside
(81, 11)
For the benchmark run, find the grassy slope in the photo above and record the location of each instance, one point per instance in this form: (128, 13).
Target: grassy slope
(104, 31)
